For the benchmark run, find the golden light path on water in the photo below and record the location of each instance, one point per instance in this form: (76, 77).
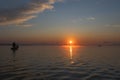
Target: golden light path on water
(71, 48)
(71, 55)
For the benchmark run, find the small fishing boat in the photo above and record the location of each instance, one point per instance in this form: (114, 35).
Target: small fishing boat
(15, 48)
(99, 45)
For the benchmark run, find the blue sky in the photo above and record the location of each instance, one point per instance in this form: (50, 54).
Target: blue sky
(58, 20)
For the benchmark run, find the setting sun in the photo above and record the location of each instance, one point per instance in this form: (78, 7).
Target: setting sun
(70, 42)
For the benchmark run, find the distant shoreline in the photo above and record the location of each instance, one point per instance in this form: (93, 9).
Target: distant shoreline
(62, 45)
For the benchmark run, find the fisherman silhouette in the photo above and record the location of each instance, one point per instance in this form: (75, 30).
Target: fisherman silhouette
(13, 44)
(14, 47)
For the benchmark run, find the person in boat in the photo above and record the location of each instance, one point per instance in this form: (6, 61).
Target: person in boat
(14, 46)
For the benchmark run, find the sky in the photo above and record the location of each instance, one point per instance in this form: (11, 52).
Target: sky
(38, 21)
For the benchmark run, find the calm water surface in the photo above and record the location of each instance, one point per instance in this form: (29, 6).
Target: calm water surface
(60, 63)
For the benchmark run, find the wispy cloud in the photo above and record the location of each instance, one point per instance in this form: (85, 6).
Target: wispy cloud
(90, 18)
(24, 25)
(84, 19)
(22, 14)
(113, 25)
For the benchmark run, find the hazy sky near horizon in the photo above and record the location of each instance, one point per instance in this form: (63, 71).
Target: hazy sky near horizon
(59, 20)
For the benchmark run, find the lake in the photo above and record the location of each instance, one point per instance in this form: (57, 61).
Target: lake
(60, 63)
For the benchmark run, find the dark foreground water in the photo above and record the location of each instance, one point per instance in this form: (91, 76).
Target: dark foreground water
(60, 63)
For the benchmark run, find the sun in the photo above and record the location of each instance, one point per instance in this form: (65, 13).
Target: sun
(70, 41)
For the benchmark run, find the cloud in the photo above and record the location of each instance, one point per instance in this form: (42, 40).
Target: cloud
(90, 18)
(113, 25)
(24, 25)
(83, 20)
(22, 14)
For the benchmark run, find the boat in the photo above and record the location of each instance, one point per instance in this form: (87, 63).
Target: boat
(14, 48)
(99, 45)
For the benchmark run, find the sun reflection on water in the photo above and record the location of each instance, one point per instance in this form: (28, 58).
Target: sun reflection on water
(71, 49)
(71, 54)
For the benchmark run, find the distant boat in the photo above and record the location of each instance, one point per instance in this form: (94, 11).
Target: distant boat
(99, 45)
